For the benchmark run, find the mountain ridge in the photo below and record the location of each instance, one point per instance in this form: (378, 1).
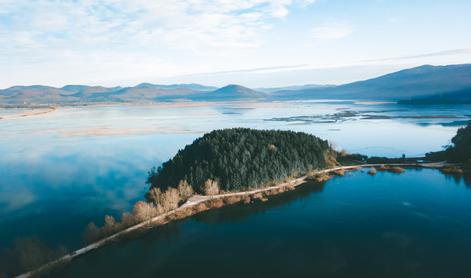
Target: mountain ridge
(439, 83)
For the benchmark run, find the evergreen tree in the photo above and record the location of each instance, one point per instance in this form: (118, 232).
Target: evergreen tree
(241, 158)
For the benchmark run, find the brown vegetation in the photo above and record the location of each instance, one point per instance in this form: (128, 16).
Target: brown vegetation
(183, 213)
(211, 187)
(200, 207)
(452, 170)
(382, 168)
(396, 169)
(127, 219)
(169, 199)
(372, 171)
(232, 200)
(185, 190)
(143, 211)
(257, 196)
(272, 148)
(320, 178)
(330, 158)
(160, 202)
(246, 199)
(215, 203)
(339, 172)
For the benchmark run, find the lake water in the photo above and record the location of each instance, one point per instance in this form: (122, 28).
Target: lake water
(416, 224)
(62, 170)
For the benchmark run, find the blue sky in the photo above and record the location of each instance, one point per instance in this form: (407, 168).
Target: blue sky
(256, 43)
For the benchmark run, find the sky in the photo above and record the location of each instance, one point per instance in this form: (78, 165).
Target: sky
(256, 43)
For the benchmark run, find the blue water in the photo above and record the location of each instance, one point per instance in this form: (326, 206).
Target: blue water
(415, 224)
(62, 170)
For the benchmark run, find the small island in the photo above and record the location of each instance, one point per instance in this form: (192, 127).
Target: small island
(239, 159)
(241, 165)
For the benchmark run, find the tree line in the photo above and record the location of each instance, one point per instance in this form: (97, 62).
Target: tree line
(242, 158)
(459, 151)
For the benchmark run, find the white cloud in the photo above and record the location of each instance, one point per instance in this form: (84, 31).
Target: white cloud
(176, 23)
(450, 52)
(332, 31)
(52, 39)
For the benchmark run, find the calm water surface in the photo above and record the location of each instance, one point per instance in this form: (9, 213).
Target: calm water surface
(62, 170)
(412, 225)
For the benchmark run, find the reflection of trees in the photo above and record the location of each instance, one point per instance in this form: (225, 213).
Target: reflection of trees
(466, 178)
(229, 213)
(239, 211)
(27, 254)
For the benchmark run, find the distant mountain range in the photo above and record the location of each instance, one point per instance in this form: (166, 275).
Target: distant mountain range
(406, 84)
(421, 85)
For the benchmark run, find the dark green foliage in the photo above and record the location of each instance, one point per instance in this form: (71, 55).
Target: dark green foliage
(460, 151)
(437, 156)
(351, 159)
(239, 158)
(387, 160)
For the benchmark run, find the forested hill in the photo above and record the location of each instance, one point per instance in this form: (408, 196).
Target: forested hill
(242, 158)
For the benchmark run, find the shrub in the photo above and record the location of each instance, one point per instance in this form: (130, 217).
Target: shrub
(127, 220)
(154, 195)
(396, 169)
(451, 170)
(383, 168)
(340, 172)
(211, 187)
(232, 200)
(169, 199)
(185, 190)
(372, 171)
(259, 196)
(320, 178)
(200, 207)
(110, 225)
(215, 203)
(246, 199)
(183, 213)
(143, 211)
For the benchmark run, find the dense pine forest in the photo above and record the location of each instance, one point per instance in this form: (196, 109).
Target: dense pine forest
(242, 158)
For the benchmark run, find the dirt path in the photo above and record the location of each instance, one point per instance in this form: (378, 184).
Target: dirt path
(198, 199)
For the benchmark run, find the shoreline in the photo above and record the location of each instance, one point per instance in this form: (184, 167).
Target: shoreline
(201, 203)
(29, 113)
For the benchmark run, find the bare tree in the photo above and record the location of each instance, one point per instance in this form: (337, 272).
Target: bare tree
(211, 187)
(185, 190)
